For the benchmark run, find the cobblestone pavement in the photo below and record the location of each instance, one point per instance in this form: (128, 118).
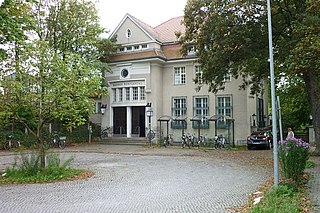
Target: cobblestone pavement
(313, 186)
(141, 179)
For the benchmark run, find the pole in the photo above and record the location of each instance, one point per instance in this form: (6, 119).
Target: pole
(279, 118)
(273, 101)
(149, 138)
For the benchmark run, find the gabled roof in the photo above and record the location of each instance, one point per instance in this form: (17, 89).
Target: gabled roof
(167, 30)
(163, 33)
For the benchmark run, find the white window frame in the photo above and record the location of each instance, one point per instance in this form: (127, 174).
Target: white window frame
(198, 74)
(128, 33)
(179, 75)
(224, 106)
(135, 93)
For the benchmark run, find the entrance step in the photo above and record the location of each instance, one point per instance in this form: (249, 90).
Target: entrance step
(123, 141)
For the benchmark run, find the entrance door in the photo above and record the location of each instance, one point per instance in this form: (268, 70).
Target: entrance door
(138, 122)
(120, 121)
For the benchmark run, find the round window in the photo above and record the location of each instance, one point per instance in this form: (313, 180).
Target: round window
(124, 73)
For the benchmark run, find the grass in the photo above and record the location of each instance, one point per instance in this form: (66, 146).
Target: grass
(288, 197)
(27, 169)
(282, 199)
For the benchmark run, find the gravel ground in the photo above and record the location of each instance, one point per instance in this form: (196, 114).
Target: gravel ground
(142, 179)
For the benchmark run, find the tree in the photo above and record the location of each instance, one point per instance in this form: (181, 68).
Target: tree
(231, 36)
(57, 72)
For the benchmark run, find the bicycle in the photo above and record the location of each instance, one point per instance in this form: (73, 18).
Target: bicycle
(11, 143)
(193, 141)
(168, 140)
(58, 141)
(203, 141)
(219, 142)
(184, 140)
(150, 136)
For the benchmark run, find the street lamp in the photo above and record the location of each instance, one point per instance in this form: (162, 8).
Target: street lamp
(254, 119)
(149, 115)
(103, 108)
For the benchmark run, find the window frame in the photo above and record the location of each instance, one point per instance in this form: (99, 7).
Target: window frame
(204, 111)
(222, 109)
(179, 76)
(180, 107)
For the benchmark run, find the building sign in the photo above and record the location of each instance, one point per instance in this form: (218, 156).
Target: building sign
(127, 83)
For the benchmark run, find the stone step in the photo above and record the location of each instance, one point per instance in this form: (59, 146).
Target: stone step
(123, 140)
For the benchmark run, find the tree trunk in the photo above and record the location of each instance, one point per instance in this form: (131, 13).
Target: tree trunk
(312, 80)
(42, 154)
(41, 149)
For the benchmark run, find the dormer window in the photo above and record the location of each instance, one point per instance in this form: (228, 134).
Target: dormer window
(129, 33)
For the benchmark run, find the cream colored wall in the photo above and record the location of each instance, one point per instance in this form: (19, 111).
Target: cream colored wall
(137, 34)
(243, 106)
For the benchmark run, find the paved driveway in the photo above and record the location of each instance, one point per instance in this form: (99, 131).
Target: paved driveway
(141, 179)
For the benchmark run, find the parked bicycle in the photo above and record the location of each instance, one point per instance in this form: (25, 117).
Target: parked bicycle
(203, 141)
(219, 142)
(11, 143)
(58, 141)
(194, 141)
(184, 141)
(168, 140)
(150, 135)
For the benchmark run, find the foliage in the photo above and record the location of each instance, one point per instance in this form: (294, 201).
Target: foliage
(282, 199)
(295, 105)
(55, 72)
(294, 154)
(29, 169)
(231, 36)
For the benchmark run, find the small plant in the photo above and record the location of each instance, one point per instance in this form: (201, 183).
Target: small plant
(27, 169)
(280, 199)
(309, 164)
(294, 154)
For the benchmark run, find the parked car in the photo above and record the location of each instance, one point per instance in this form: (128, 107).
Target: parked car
(260, 139)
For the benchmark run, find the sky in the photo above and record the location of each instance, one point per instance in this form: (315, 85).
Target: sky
(152, 12)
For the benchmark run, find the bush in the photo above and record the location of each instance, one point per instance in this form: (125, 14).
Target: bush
(29, 170)
(294, 154)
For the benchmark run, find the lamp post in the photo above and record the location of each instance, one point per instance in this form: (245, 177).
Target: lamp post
(254, 119)
(149, 115)
(103, 108)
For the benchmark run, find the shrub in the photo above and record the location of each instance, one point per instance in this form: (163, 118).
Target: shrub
(28, 169)
(294, 154)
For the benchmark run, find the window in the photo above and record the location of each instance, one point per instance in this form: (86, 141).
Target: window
(129, 48)
(136, 47)
(124, 73)
(144, 46)
(199, 75)
(120, 95)
(121, 49)
(227, 77)
(224, 107)
(201, 109)
(142, 93)
(135, 93)
(179, 75)
(129, 33)
(114, 95)
(260, 116)
(127, 93)
(179, 109)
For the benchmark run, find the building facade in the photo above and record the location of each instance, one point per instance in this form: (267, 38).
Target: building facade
(148, 72)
